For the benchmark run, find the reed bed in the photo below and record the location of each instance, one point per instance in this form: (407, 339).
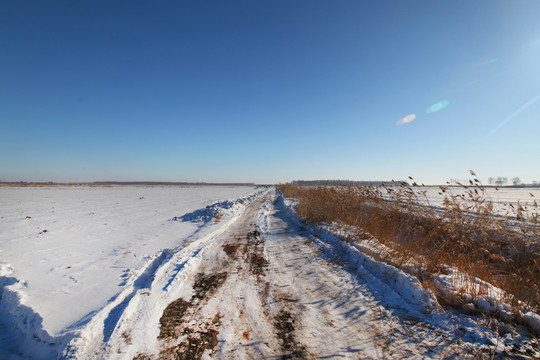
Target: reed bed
(465, 234)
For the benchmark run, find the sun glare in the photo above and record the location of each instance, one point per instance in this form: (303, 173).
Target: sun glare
(407, 119)
(437, 106)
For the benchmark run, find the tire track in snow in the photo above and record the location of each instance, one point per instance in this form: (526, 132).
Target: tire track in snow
(135, 312)
(259, 288)
(339, 311)
(243, 329)
(282, 299)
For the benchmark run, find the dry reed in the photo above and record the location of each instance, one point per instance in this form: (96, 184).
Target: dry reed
(466, 233)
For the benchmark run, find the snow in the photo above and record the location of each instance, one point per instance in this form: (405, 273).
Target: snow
(96, 240)
(408, 291)
(533, 320)
(501, 198)
(404, 286)
(296, 288)
(87, 290)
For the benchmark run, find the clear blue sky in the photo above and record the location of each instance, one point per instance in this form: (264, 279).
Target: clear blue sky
(269, 91)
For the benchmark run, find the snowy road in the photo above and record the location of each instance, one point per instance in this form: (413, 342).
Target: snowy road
(260, 288)
(254, 282)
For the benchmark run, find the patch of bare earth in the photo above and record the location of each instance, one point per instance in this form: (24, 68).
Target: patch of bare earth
(250, 249)
(196, 338)
(185, 334)
(284, 323)
(182, 334)
(142, 357)
(254, 254)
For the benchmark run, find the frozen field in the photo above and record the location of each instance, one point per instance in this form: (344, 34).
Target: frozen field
(501, 198)
(210, 272)
(67, 251)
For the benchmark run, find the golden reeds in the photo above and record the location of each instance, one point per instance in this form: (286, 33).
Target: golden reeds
(466, 233)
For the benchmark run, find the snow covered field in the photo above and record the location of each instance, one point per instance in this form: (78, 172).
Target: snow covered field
(65, 252)
(223, 272)
(501, 198)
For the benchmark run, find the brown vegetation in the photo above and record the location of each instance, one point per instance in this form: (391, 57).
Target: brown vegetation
(465, 233)
(175, 322)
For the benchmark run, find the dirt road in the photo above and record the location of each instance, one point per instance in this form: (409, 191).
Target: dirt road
(263, 288)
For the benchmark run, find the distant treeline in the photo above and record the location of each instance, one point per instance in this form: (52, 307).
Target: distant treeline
(169, 183)
(342, 182)
(110, 183)
(396, 182)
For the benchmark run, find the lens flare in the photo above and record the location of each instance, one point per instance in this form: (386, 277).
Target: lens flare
(513, 115)
(438, 106)
(406, 119)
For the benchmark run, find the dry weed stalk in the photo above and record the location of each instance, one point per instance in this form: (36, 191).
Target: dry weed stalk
(466, 233)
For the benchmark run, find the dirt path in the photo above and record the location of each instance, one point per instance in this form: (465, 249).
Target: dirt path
(264, 290)
(261, 288)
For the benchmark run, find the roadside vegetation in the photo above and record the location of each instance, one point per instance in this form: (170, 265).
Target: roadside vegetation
(464, 236)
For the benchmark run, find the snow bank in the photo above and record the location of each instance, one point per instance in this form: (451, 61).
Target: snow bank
(210, 212)
(66, 253)
(533, 321)
(405, 286)
(449, 284)
(490, 299)
(21, 324)
(137, 309)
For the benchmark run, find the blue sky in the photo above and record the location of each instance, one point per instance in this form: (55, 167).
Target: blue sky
(269, 91)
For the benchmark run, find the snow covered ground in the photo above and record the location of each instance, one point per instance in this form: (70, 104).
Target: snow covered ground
(66, 252)
(501, 198)
(239, 279)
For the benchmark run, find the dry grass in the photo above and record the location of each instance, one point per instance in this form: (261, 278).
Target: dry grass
(465, 234)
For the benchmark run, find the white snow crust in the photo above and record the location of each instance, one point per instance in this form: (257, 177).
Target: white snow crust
(66, 253)
(95, 284)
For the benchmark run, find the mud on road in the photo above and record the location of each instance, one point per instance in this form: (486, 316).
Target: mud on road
(175, 321)
(265, 290)
(260, 284)
(190, 328)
